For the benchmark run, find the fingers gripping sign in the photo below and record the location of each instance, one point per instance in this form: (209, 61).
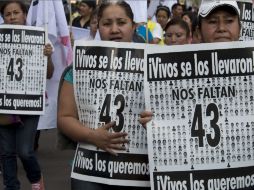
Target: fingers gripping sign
(48, 50)
(108, 141)
(145, 117)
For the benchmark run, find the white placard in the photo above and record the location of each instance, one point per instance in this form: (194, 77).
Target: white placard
(23, 70)
(202, 133)
(108, 83)
(79, 33)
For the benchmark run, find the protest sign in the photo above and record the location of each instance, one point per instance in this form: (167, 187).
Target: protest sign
(201, 136)
(108, 86)
(246, 19)
(23, 70)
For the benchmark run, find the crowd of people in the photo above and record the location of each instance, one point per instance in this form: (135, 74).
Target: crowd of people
(174, 25)
(109, 21)
(157, 26)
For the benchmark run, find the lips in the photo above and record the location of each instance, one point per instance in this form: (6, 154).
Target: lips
(116, 39)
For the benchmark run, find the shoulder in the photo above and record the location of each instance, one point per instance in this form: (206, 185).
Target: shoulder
(76, 20)
(68, 74)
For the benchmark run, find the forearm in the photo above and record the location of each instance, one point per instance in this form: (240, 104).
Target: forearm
(72, 128)
(50, 68)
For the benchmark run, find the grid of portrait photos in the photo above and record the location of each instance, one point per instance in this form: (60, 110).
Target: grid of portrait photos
(172, 143)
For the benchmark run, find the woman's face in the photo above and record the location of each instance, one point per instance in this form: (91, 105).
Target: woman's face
(176, 35)
(85, 10)
(162, 18)
(115, 25)
(13, 14)
(220, 26)
(177, 11)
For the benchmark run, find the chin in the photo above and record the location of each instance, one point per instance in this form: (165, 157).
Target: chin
(118, 40)
(223, 40)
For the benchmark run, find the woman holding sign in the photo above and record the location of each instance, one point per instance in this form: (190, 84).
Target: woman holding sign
(17, 133)
(115, 22)
(218, 22)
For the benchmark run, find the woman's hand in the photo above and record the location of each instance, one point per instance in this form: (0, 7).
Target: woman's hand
(145, 117)
(108, 141)
(48, 50)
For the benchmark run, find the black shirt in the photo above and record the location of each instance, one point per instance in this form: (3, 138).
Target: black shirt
(76, 23)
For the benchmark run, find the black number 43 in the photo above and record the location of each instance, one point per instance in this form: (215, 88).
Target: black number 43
(200, 132)
(105, 111)
(11, 71)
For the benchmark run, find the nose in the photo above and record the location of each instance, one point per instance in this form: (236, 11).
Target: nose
(114, 28)
(222, 26)
(173, 39)
(13, 16)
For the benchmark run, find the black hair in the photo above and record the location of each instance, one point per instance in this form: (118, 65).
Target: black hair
(94, 14)
(193, 17)
(163, 8)
(190, 14)
(90, 3)
(174, 6)
(194, 23)
(120, 3)
(19, 2)
(181, 23)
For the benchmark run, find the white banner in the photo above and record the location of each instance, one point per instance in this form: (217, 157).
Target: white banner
(50, 15)
(202, 133)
